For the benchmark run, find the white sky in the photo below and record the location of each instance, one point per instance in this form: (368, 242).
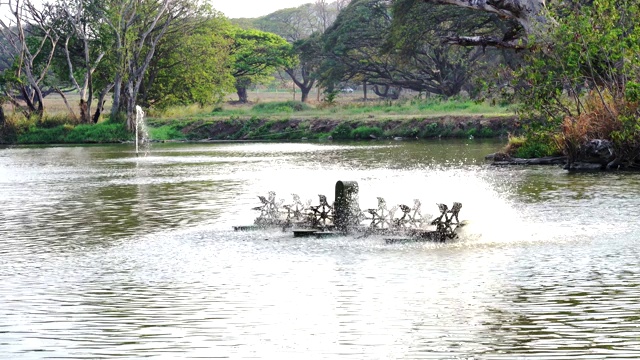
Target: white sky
(253, 8)
(233, 8)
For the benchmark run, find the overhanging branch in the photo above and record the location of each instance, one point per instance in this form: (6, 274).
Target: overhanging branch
(486, 41)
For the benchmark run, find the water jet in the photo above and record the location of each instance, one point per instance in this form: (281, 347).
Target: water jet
(142, 134)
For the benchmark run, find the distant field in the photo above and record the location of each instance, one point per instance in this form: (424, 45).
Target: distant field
(286, 95)
(280, 106)
(348, 106)
(54, 105)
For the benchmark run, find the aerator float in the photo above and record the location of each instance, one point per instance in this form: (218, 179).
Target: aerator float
(400, 223)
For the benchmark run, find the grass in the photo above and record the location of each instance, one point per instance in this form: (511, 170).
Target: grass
(166, 132)
(351, 110)
(70, 134)
(273, 116)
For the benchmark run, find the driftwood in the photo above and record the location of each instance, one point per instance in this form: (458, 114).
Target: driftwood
(548, 160)
(500, 159)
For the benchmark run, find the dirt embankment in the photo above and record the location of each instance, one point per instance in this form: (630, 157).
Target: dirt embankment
(291, 129)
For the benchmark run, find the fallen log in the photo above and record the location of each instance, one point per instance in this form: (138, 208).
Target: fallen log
(500, 159)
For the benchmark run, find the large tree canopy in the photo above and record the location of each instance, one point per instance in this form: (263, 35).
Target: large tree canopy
(369, 42)
(530, 15)
(192, 65)
(256, 56)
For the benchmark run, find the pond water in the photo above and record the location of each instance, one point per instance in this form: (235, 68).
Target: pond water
(104, 254)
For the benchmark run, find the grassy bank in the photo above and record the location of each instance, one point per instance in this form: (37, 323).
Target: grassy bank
(290, 120)
(30, 132)
(286, 120)
(353, 110)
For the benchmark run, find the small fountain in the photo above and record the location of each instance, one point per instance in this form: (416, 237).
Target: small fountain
(142, 134)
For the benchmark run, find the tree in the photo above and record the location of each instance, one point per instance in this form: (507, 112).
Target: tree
(137, 27)
(293, 24)
(367, 43)
(86, 42)
(256, 55)
(530, 15)
(192, 65)
(300, 22)
(297, 25)
(304, 75)
(586, 84)
(32, 43)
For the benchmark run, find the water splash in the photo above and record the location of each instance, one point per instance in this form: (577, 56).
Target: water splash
(142, 133)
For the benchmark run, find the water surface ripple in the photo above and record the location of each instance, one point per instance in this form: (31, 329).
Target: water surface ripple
(105, 255)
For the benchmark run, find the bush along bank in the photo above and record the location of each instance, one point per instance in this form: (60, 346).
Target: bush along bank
(255, 128)
(65, 134)
(260, 129)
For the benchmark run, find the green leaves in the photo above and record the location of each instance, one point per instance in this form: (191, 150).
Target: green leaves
(193, 67)
(257, 54)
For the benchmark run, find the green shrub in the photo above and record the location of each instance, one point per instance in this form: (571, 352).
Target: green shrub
(532, 146)
(431, 130)
(54, 135)
(365, 132)
(51, 121)
(534, 150)
(279, 107)
(99, 133)
(486, 132)
(342, 131)
(166, 132)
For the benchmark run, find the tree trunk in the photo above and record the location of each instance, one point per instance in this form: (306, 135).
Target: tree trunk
(101, 102)
(131, 105)
(304, 94)
(242, 94)
(2, 119)
(98, 112)
(85, 113)
(364, 89)
(117, 95)
(40, 102)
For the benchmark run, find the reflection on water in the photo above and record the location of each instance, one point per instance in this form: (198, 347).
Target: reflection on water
(105, 255)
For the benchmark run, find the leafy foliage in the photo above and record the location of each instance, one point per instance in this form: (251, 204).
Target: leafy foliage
(256, 55)
(401, 47)
(584, 85)
(192, 68)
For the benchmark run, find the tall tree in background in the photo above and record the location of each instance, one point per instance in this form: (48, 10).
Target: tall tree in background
(368, 43)
(293, 24)
(256, 56)
(529, 15)
(192, 64)
(138, 26)
(309, 54)
(85, 42)
(32, 54)
(416, 36)
(298, 26)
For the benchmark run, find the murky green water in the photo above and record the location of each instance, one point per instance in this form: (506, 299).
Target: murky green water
(105, 255)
